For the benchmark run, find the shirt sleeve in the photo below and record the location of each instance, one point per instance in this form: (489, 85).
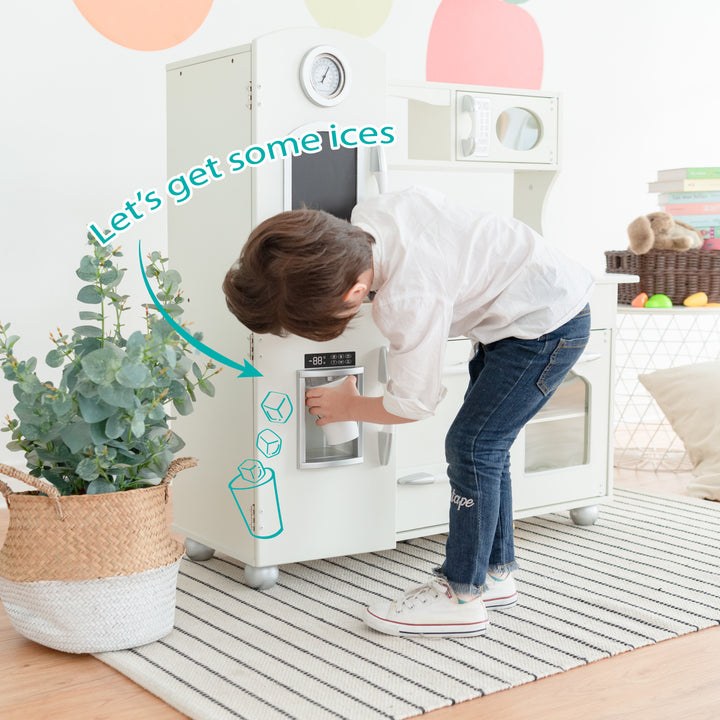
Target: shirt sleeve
(418, 329)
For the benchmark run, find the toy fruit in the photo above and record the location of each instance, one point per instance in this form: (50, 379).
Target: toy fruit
(658, 301)
(697, 299)
(640, 300)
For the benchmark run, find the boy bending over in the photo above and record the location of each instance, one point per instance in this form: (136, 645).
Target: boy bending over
(436, 271)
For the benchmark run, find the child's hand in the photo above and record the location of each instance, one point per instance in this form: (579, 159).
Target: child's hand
(332, 404)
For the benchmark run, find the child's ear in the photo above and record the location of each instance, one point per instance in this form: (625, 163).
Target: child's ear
(356, 293)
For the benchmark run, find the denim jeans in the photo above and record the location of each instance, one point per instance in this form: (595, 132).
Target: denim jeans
(510, 380)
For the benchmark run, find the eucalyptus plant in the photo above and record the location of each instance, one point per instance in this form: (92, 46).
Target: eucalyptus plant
(105, 426)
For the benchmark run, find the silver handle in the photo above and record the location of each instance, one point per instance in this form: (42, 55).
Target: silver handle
(420, 478)
(385, 438)
(378, 167)
(383, 372)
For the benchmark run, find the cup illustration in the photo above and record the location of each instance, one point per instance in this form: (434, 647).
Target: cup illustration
(263, 519)
(341, 432)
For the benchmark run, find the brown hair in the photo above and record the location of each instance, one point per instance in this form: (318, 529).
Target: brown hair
(293, 273)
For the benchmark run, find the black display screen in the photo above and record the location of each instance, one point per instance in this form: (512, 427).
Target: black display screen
(330, 360)
(326, 180)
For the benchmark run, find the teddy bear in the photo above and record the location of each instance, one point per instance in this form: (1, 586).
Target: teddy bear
(662, 231)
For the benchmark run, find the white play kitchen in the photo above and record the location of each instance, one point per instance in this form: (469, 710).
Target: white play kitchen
(270, 488)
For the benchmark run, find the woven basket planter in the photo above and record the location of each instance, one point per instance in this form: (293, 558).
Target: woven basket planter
(89, 573)
(675, 273)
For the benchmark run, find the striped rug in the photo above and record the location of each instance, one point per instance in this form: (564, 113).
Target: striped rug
(648, 570)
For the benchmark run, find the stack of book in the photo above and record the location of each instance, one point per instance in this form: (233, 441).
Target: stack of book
(692, 195)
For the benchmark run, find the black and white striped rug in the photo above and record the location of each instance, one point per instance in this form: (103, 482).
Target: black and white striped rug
(648, 570)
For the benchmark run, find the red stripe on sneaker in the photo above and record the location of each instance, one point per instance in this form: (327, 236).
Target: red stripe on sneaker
(395, 622)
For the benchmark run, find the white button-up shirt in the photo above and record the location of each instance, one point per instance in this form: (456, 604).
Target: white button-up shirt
(442, 271)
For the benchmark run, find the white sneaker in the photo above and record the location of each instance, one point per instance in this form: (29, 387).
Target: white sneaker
(428, 610)
(501, 591)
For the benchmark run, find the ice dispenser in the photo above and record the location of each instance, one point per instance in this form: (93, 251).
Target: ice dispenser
(334, 444)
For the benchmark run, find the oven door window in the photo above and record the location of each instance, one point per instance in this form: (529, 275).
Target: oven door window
(326, 180)
(558, 436)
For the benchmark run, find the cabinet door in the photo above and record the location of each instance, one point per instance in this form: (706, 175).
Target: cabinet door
(561, 456)
(423, 491)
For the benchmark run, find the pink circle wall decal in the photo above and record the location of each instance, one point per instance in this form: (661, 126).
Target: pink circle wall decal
(145, 24)
(485, 42)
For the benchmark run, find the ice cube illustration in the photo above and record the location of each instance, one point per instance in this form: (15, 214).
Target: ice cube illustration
(268, 443)
(277, 407)
(251, 470)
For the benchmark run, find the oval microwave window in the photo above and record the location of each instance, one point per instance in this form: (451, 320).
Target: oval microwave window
(518, 129)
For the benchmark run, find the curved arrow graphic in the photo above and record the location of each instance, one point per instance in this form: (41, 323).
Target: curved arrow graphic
(246, 369)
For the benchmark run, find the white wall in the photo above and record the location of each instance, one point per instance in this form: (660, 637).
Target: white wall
(82, 124)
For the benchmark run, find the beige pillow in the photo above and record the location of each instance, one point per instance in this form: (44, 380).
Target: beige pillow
(689, 396)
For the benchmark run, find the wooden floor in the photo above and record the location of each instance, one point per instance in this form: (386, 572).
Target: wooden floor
(672, 680)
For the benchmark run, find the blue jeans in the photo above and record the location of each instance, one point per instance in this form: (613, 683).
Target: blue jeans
(510, 380)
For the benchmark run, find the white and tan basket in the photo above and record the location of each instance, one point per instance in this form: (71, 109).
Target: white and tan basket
(89, 573)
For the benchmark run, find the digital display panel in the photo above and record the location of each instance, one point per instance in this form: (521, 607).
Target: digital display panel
(329, 360)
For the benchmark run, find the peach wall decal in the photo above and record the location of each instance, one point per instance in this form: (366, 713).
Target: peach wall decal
(145, 24)
(359, 17)
(485, 42)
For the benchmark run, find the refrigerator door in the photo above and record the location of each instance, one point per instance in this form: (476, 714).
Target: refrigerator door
(331, 509)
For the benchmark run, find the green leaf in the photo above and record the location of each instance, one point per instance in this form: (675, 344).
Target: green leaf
(87, 270)
(110, 276)
(54, 358)
(100, 486)
(61, 405)
(117, 395)
(11, 340)
(76, 436)
(176, 390)
(86, 345)
(157, 413)
(89, 315)
(88, 331)
(135, 346)
(116, 425)
(183, 405)
(90, 295)
(87, 469)
(98, 434)
(69, 377)
(197, 372)
(137, 426)
(133, 375)
(170, 356)
(207, 387)
(101, 365)
(94, 410)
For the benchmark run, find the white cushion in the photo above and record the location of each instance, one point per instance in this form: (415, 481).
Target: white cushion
(689, 396)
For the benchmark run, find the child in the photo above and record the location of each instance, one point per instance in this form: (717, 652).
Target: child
(436, 271)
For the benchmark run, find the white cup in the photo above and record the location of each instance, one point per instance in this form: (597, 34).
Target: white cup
(341, 432)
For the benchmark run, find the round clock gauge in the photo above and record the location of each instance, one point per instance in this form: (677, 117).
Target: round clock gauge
(324, 76)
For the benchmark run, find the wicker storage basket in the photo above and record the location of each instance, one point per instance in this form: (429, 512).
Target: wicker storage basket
(675, 273)
(89, 573)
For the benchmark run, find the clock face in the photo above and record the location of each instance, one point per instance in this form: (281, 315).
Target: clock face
(324, 76)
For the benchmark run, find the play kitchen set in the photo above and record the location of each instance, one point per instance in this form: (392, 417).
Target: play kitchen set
(273, 487)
